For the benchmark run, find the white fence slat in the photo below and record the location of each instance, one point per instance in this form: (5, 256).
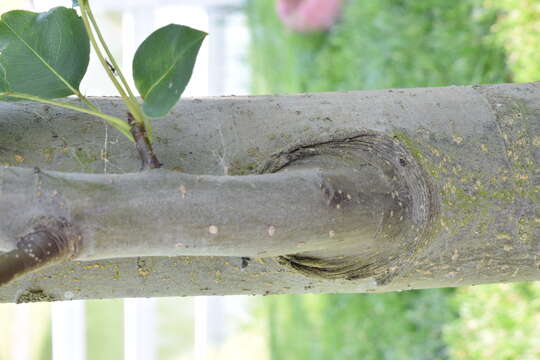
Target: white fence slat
(69, 330)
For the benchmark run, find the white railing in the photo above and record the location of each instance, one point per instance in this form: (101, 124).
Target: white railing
(140, 329)
(68, 330)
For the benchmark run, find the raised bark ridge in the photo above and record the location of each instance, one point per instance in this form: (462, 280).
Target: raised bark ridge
(345, 208)
(407, 222)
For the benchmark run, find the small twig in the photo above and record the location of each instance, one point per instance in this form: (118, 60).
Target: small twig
(146, 153)
(50, 240)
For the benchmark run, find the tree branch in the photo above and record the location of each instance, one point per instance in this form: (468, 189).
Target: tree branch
(142, 143)
(332, 203)
(463, 160)
(49, 240)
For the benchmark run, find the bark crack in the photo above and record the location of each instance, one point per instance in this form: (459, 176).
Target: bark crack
(223, 150)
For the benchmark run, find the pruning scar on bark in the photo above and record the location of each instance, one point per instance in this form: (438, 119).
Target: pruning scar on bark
(412, 194)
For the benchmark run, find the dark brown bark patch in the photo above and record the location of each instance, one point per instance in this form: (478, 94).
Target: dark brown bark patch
(142, 143)
(50, 240)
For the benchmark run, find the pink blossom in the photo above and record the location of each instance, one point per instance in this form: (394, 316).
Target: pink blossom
(308, 15)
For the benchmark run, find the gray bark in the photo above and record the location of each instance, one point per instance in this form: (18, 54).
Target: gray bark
(341, 192)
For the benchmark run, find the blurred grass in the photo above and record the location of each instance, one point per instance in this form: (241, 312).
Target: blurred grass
(104, 329)
(395, 326)
(402, 43)
(518, 31)
(378, 44)
(496, 322)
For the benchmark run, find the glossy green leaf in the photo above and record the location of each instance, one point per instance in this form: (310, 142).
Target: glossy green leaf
(43, 54)
(163, 65)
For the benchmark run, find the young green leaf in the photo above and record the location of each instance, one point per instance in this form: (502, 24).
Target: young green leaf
(163, 65)
(42, 54)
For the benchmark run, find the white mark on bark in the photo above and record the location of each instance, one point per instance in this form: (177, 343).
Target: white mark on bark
(2, 175)
(223, 150)
(213, 229)
(331, 233)
(183, 191)
(104, 151)
(271, 230)
(455, 255)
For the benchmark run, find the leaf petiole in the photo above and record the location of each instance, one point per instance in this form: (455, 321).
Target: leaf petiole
(123, 87)
(138, 114)
(99, 53)
(115, 122)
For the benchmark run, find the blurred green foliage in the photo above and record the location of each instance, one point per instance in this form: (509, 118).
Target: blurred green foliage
(104, 329)
(393, 326)
(378, 44)
(518, 31)
(403, 43)
(496, 322)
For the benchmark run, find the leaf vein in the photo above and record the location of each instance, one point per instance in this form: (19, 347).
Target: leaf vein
(40, 58)
(176, 60)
